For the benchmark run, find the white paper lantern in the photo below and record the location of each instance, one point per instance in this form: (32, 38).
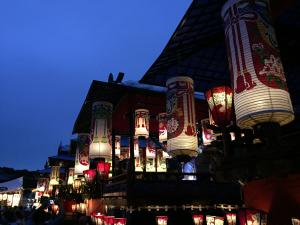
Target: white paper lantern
(150, 150)
(214, 220)
(117, 145)
(102, 122)
(142, 123)
(4, 197)
(260, 90)
(162, 127)
(182, 134)
(70, 176)
(0, 197)
(136, 147)
(82, 154)
(54, 176)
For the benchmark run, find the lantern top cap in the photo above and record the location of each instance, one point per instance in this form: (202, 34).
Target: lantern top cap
(179, 78)
(101, 102)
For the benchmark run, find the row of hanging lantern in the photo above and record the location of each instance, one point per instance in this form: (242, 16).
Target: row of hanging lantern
(79, 207)
(100, 219)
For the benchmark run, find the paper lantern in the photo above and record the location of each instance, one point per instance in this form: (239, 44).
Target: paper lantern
(82, 154)
(70, 180)
(162, 127)
(120, 221)
(89, 175)
(252, 216)
(198, 219)
(54, 175)
(231, 218)
(219, 100)
(102, 125)
(4, 197)
(181, 125)
(161, 220)
(77, 184)
(83, 208)
(103, 169)
(99, 219)
(1, 197)
(73, 207)
(150, 150)
(118, 145)
(142, 123)
(260, 90)
(108, 220)
(50, 189)
(295, 221)
(214, 220)
(208, 135)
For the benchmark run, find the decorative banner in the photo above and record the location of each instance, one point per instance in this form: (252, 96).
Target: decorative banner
(102, 125)
(142, 123)
(295, 221)
(198, 219)
(70, 176)
(182, 134)
(207, 134)
(54, 175)
(214, 220)
(162, 127)
(82, 154)
(251, 216)
(219, 100)
(161, 220)
(118, 145)
(260, 90)
(231, 218)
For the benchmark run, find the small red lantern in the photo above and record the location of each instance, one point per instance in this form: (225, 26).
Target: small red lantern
(219, 100)
(198, 219)
(103, 169)
(252, 216)
(120, 221)
(231, 218)
(161, 220)
(89, 175)
(108, 220)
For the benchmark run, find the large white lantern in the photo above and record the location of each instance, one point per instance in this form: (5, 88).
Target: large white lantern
(182, 134)
(118, 145)
(162, 127)
(102, 125)
(142, 123)
(82, 154)
(54, 175)
(260, 90)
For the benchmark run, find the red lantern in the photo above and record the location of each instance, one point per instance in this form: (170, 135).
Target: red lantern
(108, 220)
(198, 219)
(120, 221)
(161, 220)
(99, 219)
(89, 175)
(219, 100)
(252, 216)
(103, 169)
(231, 218)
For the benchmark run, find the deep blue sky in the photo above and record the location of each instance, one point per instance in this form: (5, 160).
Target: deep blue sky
(51, 50)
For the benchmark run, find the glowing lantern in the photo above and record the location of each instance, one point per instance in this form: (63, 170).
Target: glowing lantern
(4, 197)
(142, 123)
(55, 209)
(219, 100)
(161, 220)
(0, 197)
(54, 176)
(252, 216)
(207, 134)
(162, 127)
(260, 90)
(73, 208)
(77, 207)
(89, 175)
(198, 219)
(103, 169)
(182, 134)
(82, 208)
(117, 145)
(108, 220)
(70, 176)
(99, 219)
(77, 184)
(50, 189)
(82, 154)
(102, 121)
(120, 221)
(214, 220)
(231, 218)
(150, 150)
(295, 221)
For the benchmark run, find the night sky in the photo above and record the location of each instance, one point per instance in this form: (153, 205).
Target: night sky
(51, 50)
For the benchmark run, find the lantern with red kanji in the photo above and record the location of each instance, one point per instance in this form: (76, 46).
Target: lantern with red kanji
(214, 220)
(103, 169)
(198, 219)
(142, 123)
(260, 90)
(252, 216)
(162, 127)
(219, 100)
(231, 218)
(120, 221)
(89, 175)
(161, 220)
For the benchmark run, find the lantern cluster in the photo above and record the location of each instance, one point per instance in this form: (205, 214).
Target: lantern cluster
(99, 219)
(260, 89)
